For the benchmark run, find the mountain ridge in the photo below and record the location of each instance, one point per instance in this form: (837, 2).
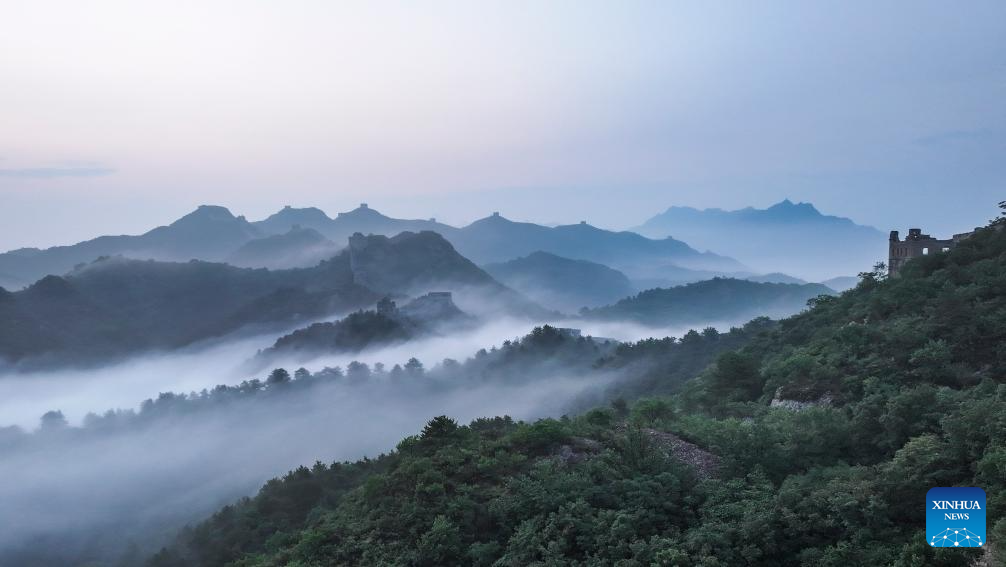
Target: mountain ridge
(213, 233)
(560, 282)
(117, 306)
(793, 238)
(209, 232)
(297, 248)
(722, 300)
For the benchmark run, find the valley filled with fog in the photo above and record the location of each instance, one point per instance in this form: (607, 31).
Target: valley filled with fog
(501, 284)
(140, 393)
(142, 481)
(157, 476)
(25, 396)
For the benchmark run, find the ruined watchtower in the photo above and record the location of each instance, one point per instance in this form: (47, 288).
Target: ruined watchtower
(914, 245)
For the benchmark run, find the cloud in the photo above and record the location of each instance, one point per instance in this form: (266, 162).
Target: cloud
(50, 172)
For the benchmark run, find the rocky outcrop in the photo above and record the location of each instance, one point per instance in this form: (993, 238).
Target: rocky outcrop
(800, 405)
(578, 450)
(705, 464)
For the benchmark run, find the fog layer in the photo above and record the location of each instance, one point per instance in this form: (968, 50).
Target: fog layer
(91, 493)
(24, 397)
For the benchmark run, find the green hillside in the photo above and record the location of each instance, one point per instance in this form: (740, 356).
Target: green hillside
(813, 444)
(717, 299)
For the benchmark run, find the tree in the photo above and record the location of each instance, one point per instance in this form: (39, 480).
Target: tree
(53, 420)
(441, 544)
(357, 370)
(439, 427)
(330, 372)
(877, 274)
(736, 377)
(277, 377)
(1001, 219)
(413, 367)
(621, 407)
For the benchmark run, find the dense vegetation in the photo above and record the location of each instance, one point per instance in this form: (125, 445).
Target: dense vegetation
(352, 333)
(718, 299)
(902, 384)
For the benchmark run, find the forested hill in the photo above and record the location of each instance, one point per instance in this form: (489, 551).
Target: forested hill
(117, 306)
(714, 300)
(814, 444)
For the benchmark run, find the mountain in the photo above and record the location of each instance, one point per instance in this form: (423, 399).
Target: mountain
(118, 306)
(410, 263)
(289, 217)
(213, 234)
(814, 443)
(794, 238)
(561, 283)
(841, 283)
(362, 329)
(297, 248)
(352, 333)
(722, 300)
(497, 239)
(775, 277)
(208, 233)
(363, 219)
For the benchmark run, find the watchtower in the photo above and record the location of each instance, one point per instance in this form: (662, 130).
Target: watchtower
(914, 245)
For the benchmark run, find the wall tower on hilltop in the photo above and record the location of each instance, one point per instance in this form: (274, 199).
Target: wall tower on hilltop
(914, 245)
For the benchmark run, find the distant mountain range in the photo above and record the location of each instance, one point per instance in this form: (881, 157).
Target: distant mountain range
(496, 239)
(208, 233)
(561, 283)
(118, 306)
(776, 277)
(841, 283)
(719, 300)
(362, 219)
(794, 238)
(301, 237)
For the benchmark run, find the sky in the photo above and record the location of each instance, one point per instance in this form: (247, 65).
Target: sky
(118, 116)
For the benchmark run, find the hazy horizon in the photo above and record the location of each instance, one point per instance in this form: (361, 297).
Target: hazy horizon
(120, 117)
(460, 222)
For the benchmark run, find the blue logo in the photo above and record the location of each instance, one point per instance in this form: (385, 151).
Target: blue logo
(955, 517)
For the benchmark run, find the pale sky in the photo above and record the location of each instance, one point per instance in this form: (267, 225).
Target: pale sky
(119, 116)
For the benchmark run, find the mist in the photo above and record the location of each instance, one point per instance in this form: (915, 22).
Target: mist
(143, 483)
(96, 487)
(128, 480)
(25, 396)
